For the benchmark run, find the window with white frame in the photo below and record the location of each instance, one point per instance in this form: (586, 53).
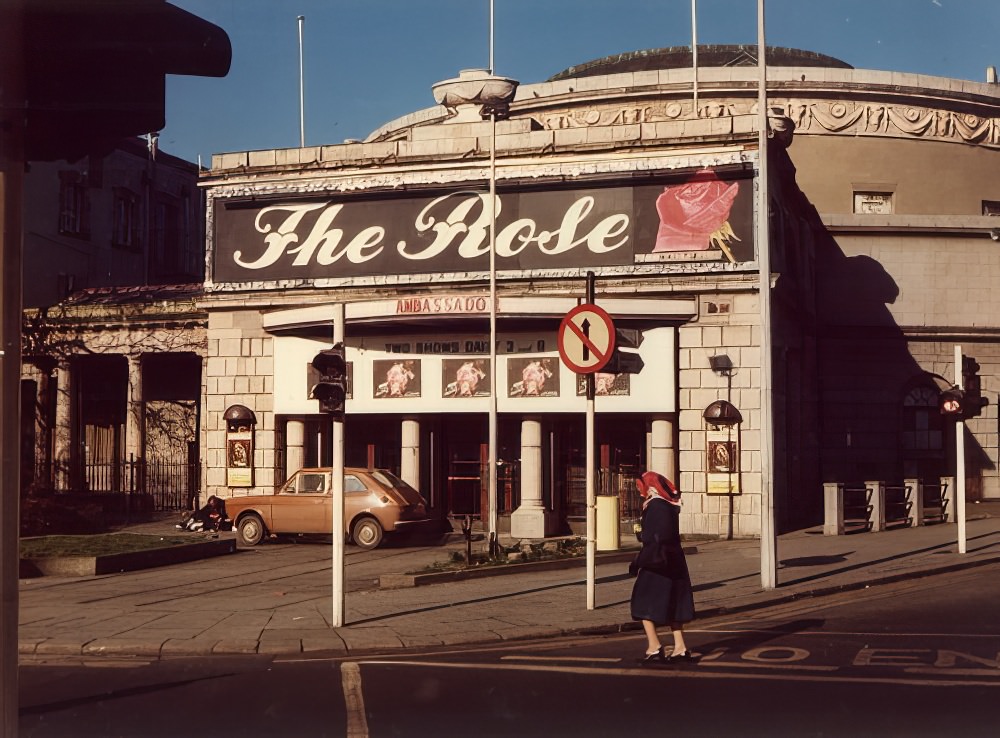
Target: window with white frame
(74, 205)
(126, 219)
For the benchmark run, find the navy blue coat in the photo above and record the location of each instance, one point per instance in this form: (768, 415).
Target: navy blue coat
(662, 594)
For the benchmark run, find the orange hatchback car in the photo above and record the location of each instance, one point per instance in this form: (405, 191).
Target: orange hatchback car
(376, 502)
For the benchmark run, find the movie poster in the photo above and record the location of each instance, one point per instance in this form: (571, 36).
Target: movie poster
(533, 376)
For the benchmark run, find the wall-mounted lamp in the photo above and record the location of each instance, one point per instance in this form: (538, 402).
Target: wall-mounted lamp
(721, 364)
(722, 413)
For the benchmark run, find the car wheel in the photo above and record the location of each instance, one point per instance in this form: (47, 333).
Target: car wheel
(250, 530)
(366, 533)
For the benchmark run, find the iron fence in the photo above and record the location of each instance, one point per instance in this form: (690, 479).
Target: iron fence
(165, 485)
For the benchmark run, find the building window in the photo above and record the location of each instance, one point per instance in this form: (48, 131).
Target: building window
(873, 203)
(74, 205)
(126, 219)
(991, 207)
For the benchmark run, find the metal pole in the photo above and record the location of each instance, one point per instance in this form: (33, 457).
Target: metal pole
(337, 491)
(694, 53)
(960, 459)
(494, 390)
(11, 199)
(491, 477)
(591, 487)
(768, 540)
(302, 88)
(492, 35)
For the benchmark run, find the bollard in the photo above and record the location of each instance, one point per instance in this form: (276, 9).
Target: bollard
(947, 499)
(915, 494)
(467, 532)
(833, 509)
(876, 502)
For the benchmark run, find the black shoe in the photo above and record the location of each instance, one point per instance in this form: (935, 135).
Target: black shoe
(681, 658)
(657, 657)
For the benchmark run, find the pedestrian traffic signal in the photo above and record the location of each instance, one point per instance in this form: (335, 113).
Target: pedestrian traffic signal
(94, 71)
(331, 389)
(625, 362)
(972, 386)
(950, 402)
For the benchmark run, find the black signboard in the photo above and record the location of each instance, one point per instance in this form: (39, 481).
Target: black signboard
(703, 216)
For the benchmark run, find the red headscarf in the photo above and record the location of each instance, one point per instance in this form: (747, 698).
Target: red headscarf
(652, 486)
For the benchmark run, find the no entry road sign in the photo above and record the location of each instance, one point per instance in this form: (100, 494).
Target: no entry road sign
(586, 339)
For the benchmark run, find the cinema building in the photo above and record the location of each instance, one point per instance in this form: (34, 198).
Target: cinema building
(879, 186)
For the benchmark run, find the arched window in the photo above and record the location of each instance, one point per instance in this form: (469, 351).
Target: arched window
(922, 432)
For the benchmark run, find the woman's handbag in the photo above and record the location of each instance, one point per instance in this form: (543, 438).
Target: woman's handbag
(653, 556)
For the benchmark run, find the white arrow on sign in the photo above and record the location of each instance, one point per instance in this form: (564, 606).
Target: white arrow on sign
(586, 339)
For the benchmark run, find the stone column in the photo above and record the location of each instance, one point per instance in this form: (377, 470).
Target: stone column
(134, 411)
(295, 446)
(409, 456)
(62, 443)
(531, 519)
(662, 454)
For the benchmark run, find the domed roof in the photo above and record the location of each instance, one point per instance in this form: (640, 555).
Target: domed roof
(717, 55)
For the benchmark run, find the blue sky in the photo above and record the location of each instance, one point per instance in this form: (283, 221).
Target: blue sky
(370, 61)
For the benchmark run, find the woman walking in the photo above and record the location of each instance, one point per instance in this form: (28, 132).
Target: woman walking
(662, 591)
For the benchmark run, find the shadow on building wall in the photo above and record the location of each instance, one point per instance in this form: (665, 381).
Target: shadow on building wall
(878, 386)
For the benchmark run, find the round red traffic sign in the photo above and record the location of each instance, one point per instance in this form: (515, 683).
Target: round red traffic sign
(586, 339)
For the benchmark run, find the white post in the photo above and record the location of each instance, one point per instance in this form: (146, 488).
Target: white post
(916, 497)
(876, 490)
(768, 541)
(960, 459)
(494, 390)
(337, 503)
(302, 88)
(833, 509)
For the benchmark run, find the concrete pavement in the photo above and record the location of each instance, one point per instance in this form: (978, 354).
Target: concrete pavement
(275, 599)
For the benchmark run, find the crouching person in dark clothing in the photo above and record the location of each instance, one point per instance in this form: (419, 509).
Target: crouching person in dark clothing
(211, 517)
(662, 591)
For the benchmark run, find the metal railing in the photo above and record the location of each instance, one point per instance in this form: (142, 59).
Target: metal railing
(877, 506)
(165, 485)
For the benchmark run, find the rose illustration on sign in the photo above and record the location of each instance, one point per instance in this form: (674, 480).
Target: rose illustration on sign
(694, 216)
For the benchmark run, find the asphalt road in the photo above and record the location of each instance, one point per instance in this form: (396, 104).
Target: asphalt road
(920, 658)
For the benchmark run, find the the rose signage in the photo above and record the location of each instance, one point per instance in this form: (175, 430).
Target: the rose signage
(347, 237)
(694, 216)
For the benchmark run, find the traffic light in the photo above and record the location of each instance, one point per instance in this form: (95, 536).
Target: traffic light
(972, 385)
(94, 71)
(951, 402)
(625, 362)
(331, 389)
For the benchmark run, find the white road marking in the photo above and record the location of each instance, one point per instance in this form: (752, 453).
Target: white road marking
(357, 722)
(666, 673)
(770, 665)
(585, 659)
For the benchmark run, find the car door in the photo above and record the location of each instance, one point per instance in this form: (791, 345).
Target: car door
(357, 498)
(304, 506)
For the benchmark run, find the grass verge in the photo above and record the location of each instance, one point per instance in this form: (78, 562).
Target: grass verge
(44, 547)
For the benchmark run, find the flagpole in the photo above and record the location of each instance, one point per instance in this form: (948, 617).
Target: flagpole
(491, 477)
(302, 88)
(694, 53)
(768, 542)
